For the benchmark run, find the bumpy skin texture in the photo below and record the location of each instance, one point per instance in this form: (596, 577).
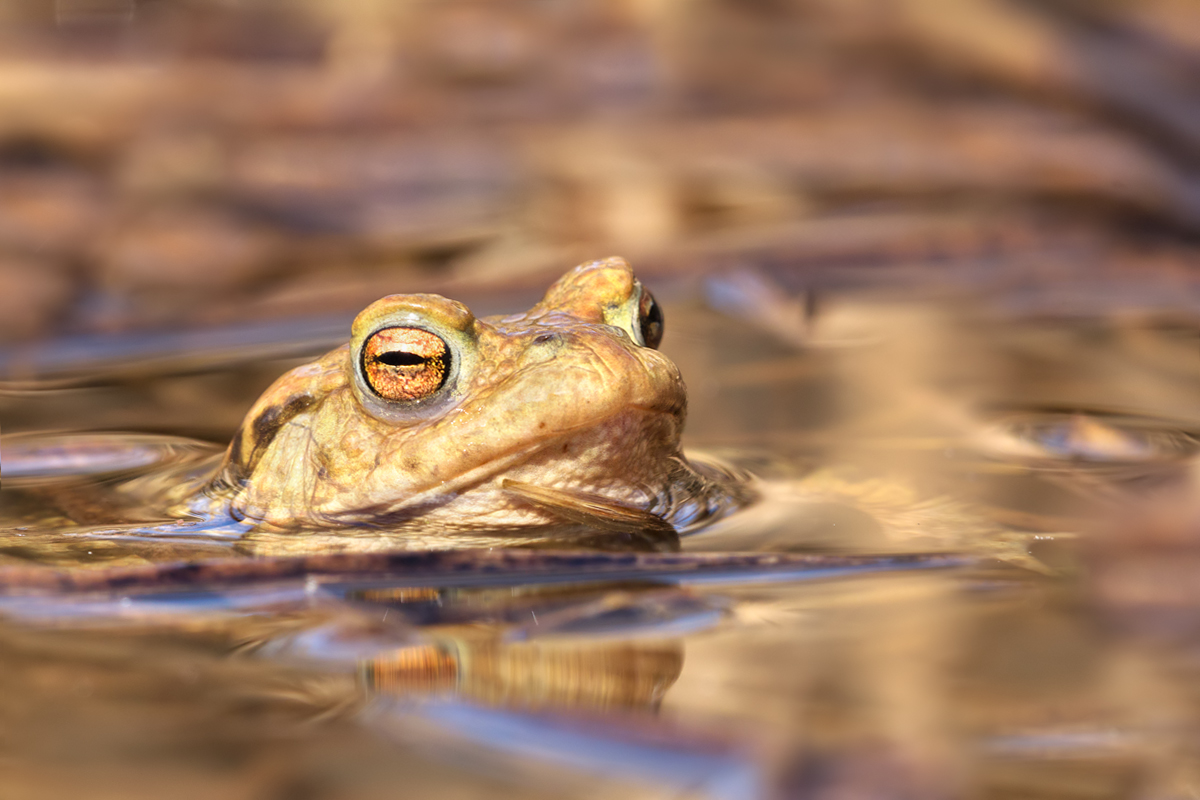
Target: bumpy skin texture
(562, 396)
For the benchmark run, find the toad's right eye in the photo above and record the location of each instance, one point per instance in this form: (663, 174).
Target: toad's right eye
(405, 364)
(650, 320)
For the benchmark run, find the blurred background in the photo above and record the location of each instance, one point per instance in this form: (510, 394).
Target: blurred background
(182, 164)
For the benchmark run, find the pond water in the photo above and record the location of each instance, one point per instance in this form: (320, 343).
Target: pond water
(968, 572)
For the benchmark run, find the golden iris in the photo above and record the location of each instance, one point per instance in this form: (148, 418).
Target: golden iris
(405, 363)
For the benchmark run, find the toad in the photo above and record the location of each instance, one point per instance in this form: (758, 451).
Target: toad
(430, 417)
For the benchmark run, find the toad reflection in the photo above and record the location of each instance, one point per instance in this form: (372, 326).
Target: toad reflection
(600, 646)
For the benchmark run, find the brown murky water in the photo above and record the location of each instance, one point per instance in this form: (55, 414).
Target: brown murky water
(1051, 654)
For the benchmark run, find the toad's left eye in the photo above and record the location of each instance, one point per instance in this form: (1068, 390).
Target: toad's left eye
(650, 320)
(405, 363)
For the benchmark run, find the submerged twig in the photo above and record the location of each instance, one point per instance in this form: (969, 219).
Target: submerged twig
(463, 567)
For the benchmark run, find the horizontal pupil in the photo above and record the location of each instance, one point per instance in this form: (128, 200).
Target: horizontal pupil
(399, 358)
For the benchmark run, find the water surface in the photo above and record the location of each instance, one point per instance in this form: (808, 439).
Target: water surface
(1052, 461)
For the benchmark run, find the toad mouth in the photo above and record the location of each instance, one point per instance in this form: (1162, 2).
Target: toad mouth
(565, 503)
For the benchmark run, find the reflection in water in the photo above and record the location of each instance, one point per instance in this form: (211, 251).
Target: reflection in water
(533, 675)
(540, 648)
(527, 647)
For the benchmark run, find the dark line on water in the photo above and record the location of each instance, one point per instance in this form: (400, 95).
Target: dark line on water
(464, 567)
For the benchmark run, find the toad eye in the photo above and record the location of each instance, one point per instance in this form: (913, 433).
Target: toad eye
(650, 320)
(405, 364)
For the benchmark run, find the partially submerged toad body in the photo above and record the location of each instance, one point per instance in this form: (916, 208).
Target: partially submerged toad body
(431, 429)
(432, 418)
